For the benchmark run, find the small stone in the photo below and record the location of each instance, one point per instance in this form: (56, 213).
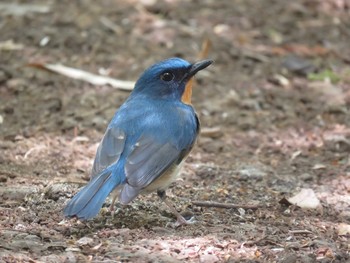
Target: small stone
(306, 177)
(298, 65)
(251, 172)
(57, 190)
(289, 258)
(15, 83)
(16, 193)
(208, 258)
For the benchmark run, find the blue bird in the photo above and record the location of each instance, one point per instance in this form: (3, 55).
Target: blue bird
(147, 140)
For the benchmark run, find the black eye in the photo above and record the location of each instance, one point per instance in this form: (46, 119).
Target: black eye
(167, 76)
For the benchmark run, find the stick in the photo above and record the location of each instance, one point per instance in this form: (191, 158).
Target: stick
(254, 242)
(300, 232)
(85, 76)
(224, 205)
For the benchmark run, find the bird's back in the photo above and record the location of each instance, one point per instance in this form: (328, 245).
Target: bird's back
(166, 121)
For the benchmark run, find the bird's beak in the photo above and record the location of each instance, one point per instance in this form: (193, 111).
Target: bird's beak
(188, 79)
(197, 67)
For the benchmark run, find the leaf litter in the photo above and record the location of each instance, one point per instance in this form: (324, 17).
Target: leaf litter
(262, 139)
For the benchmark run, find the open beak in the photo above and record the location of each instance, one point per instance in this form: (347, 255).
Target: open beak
(197, 67)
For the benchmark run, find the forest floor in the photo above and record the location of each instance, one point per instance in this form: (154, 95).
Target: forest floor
(274, 109)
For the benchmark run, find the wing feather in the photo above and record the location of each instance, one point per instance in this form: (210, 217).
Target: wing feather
(109, 150)
(148, 161)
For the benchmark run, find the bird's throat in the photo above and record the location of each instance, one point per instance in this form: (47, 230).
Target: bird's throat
(187, 95)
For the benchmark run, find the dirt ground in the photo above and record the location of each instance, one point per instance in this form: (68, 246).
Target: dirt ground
(274, 109)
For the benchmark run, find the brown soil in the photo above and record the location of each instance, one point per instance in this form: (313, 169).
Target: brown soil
(277, 129)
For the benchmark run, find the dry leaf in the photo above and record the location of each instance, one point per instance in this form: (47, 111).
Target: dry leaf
(306, 198)
(328, 93)
(319, 166)
(85, 241)
(343, 229)
(9, 45)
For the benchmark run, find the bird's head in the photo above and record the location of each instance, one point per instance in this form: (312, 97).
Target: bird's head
(170, 79)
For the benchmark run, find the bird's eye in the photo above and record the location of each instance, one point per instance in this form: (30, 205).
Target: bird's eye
(167, 76)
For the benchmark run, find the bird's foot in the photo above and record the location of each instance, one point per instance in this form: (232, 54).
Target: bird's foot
(182, 221)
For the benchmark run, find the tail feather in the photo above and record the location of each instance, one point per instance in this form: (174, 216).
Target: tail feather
(87, 203)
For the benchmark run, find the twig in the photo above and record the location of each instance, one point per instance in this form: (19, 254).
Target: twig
(84, 75)
(111, 25)
(254, 242)
(301, 231)
(224, 205)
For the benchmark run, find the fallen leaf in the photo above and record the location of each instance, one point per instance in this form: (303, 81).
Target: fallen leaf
(325, 75)
(10, 45)
(97, 247)
(208, 258)
(295, 154)
(206, 47)
(327, 92)
(85, 241)
(279, 80)
(318, 166)
(343, 229)
(306, 198)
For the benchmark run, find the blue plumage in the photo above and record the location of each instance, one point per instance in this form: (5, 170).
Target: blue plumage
(150, 134)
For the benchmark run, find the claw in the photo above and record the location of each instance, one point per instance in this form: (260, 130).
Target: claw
(181, 221)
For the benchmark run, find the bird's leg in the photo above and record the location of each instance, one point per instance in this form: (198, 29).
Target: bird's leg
(115, 194)
(112, 207)
(180, 219)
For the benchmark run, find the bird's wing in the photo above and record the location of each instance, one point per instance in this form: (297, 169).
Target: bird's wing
(109, 150)
(149, 159)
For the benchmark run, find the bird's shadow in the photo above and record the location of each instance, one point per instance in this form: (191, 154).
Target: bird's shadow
(135, 216)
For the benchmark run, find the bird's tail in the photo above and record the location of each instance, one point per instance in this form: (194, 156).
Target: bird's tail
(87, 203)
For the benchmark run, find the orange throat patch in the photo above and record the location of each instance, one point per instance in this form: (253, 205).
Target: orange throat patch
(187, 95)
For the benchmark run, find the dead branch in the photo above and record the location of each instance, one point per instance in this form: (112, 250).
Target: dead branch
(224, 205)
(300, 232)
